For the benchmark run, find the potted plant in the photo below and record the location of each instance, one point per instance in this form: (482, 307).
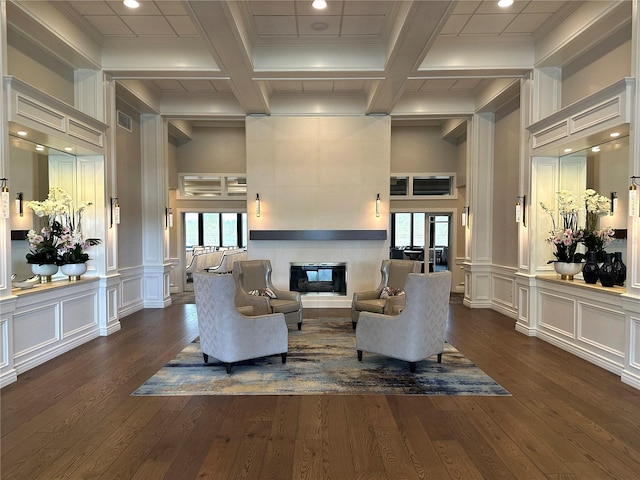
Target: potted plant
(62, 242)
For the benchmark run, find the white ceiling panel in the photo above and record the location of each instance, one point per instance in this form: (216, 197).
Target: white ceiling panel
(182, 25)
(455, 24)
(167, 7)
(487, 24)
(548, 6)
(304, 7)
(170, 85)
(282, 86)
(366, 8)
(272, 26)
(308, 25)
(365, 25)
(145, 25)
(272, 8)
(110, 25)
(318, 86)
(527, 23)
(93, 8)
(145, 8)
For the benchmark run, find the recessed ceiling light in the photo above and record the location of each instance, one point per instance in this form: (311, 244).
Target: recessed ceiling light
(319, 26)
(131, 3)
(319, 4)
(68, 149)
(567, 150)
(39, 148)
(595, 149)
(505, 3)
(614, 134)
(22, 133)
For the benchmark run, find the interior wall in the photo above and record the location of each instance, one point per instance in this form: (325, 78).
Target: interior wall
(40, 70)
(213, 149)
(317, 173)
(129, 182)
(506, 181)
(602, 66)
(421, 149)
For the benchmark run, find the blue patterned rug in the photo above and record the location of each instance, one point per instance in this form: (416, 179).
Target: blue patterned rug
(321, 360)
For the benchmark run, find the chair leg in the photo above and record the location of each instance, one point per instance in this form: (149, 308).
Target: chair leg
(412, 367)
(284, 357)
(439, 358)
(228, 368)
(299, 325)
(359, 355)
(206, 358)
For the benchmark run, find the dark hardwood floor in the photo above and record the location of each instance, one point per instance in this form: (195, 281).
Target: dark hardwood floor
(74, 417)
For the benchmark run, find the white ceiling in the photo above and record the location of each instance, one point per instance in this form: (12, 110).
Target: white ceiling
(372, 48)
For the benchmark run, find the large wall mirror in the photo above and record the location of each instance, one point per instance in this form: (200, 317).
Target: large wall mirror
(603, 167)
(31, 165)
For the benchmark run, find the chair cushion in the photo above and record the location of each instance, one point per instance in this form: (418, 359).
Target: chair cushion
(263, 292)
(245, 310)
(284, 306)
(376, 305)
(391, 292)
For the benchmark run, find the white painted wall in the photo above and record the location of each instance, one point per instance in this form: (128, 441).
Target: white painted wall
(320, 173)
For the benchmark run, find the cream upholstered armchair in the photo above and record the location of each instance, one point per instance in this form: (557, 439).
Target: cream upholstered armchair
(254, 289)
(394, 273)
(225, 333)
(418, 332)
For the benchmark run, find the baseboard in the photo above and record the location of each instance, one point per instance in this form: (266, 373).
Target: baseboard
(630, 379)
(8, 377)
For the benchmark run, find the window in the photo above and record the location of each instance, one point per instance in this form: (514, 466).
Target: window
(212, 186)
(412, 186)
(407, 229)
(215, 229)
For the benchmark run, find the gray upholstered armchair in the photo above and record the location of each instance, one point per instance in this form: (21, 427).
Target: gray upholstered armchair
(418, 332)
(254, 289)
(225, 333)
(394, 273)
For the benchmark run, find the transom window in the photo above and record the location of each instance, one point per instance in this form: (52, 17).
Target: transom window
(413, 185)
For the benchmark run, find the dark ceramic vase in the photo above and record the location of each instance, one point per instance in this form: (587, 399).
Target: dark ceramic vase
(590, 270)
(620, 268)
(607, 274)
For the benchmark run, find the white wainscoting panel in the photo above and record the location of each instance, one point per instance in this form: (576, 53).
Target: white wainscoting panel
(557, 314)
(131, 288)
(602, 328)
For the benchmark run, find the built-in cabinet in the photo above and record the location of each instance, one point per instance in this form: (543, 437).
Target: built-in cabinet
(596, 323)
(49, 319)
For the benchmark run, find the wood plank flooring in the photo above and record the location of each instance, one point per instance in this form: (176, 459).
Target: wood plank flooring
(74, 417)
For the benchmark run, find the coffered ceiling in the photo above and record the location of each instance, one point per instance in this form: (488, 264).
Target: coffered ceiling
(263, 55)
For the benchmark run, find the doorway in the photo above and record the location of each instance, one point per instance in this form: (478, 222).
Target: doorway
(422, 236)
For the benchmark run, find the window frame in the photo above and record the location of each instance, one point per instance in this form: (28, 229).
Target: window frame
(453, 192)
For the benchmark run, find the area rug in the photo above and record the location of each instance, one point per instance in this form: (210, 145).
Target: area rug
(321, 360)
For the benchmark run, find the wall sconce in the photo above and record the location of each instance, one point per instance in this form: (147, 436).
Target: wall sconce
(465, 213)
(114, 212)
(4, 199)
(257, 204)
(521, 204)
(614, 202)
(168, 217)
(633, 196)
(378, 205)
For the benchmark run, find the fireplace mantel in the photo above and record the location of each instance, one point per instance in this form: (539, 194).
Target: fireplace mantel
(318, 235)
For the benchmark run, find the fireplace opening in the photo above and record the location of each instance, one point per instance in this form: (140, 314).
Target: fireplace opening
(318, 278)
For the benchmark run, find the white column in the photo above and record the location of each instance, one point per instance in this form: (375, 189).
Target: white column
(547, 92)
(155, 234)
(480, 218)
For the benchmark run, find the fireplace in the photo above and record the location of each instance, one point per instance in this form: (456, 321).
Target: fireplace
(318, 278)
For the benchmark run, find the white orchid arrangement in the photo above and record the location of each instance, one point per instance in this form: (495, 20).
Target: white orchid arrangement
(62, 240)
(567, 237)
